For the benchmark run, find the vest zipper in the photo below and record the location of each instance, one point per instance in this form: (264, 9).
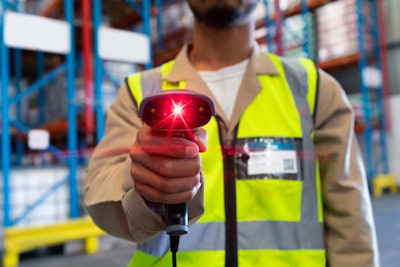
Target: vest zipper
(231, 242)
(231, 256)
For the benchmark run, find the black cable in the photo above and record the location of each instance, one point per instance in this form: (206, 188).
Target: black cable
(176, 220)
(174, 243)
(174, 259)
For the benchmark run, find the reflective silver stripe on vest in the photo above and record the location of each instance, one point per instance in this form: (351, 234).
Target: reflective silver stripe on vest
(275, 235)
(214, 233)
(157, 246)
(251, 235)
(151, 81)
(296, 76)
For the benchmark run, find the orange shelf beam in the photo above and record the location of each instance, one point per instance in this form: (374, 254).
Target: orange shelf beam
(51, 7)
(295, 8)
(340, 61)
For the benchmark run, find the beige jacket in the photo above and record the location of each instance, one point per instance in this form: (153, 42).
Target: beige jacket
(349, 227)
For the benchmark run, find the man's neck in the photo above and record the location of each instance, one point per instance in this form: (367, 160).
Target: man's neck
(217, 48)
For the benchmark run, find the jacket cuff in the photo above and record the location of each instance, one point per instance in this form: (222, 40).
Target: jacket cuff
(143, 222)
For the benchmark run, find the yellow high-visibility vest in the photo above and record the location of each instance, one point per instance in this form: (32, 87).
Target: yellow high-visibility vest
(270, 176)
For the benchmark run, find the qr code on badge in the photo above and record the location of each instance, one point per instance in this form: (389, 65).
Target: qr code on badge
(288, 165)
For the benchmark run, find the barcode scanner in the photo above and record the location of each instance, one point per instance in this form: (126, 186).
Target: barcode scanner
(176, 113)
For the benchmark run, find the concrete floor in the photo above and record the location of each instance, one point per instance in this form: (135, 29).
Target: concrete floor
(387, 218)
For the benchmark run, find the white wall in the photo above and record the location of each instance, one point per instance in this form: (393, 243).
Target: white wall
(393, 137)
(392, 22)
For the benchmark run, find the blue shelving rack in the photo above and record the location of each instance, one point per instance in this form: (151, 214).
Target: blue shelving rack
(274, 24)
(144, 10)
(158, 5)
(375, 155)
(374, 138)
(70, 157)
(276, 27)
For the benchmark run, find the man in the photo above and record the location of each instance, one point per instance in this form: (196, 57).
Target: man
(257, 194)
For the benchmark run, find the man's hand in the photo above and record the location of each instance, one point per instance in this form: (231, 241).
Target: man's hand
(167, 169)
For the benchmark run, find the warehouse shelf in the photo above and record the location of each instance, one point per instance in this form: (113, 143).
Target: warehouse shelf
(120, 15)
(296, 8)
(68, 146)
(53, 9)
(57, 128)
(144, 11)
(339, 62)
(302, 7)
(67, 68)
(127, 15)
(376, 158)
(361, 56)
(282, 39)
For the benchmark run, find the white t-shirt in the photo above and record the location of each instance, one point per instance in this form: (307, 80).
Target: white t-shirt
(224, 84)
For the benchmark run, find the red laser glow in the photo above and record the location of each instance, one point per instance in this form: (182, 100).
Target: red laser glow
(176, 110)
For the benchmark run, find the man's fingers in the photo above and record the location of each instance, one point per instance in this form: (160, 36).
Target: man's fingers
(159, 188)
(167, 169)
(166, 146)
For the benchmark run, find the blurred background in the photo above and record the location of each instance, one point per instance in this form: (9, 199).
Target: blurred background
(62, 62)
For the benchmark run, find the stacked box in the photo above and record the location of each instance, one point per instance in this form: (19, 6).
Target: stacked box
(116, 74)
(34, 7)
(358, 109)
(55, 95)
(28, 185)
(176, 17)
(260, 11)
(55, 107)
(293, 29)
(294, 35)
(338, 29)
(285, 5)
(176, 21)
(23, 104)
(56, 99)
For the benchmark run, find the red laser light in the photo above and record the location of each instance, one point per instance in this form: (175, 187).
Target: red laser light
(176, 110)
(175, 113)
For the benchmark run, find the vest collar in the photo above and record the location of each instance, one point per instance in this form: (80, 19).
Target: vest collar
(184, 70)
(260, 64)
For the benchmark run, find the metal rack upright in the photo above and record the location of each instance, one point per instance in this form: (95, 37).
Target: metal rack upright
(144, 11)
(275, 24)
(69, 157)
(375, 154)
(376, 157)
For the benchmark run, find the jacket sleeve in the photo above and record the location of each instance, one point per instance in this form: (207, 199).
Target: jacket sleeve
(349, 226)
(110, 197)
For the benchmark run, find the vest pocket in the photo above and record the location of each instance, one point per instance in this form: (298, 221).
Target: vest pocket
(269, 199)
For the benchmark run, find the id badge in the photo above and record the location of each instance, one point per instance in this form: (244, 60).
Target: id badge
(268, 158)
